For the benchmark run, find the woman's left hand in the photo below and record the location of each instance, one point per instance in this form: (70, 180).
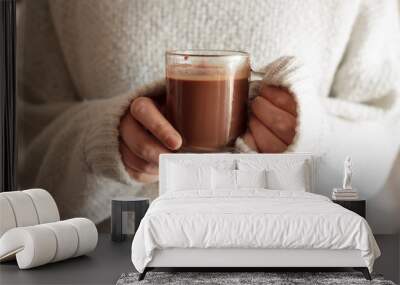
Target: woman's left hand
(272, 122)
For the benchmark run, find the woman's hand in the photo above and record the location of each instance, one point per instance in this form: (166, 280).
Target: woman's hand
(144, 134)
(272, 123)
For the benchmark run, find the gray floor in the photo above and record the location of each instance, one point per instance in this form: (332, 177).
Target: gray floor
(110, 260)
(103, 266)
(389, 262)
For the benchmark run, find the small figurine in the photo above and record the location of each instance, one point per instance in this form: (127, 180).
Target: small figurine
(347, 192)
(348, 172)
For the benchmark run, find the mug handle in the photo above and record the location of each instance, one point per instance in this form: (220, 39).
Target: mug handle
(256, 75)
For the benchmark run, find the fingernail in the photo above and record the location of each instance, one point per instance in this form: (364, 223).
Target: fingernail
(172, 141)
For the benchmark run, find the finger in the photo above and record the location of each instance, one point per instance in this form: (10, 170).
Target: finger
(249, 140)
(265, 140)
(134, 162)
(139, 141)
(280, 122)
(142, 177)
(145, 111)
(280, 98)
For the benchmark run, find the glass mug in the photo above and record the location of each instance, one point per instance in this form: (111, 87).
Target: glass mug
(207, 93)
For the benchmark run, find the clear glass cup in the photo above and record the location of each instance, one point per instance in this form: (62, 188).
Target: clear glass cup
(207, 93)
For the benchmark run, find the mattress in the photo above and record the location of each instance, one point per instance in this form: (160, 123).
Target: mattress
(251, 219)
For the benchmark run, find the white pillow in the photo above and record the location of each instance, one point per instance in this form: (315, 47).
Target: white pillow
(251, 178)
(181, 178)
(224, 179)
(282, 174)
(293, 178)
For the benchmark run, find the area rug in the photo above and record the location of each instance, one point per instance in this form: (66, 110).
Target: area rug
(244, 278)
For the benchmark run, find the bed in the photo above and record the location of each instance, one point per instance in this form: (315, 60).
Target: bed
(248, 211)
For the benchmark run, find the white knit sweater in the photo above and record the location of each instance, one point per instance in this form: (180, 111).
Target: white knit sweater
(84, 61)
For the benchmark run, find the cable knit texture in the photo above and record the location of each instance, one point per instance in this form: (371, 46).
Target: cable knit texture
(84, 61)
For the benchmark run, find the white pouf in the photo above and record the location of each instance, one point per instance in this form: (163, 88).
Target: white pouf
(40, 244)
(26, 208)
(23, 208)
(7, 218)
(87, 233)
(45, 205)
(33, 246)
(67, 240)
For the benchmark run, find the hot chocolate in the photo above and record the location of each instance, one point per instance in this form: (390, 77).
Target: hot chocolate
(207, 105)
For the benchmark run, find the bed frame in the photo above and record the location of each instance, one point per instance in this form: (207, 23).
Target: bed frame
(236, 259)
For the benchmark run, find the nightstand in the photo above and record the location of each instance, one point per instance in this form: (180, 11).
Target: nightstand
(357, 206)
(126, 214)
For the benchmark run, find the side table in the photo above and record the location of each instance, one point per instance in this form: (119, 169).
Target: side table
(125, 212)
(357, 206)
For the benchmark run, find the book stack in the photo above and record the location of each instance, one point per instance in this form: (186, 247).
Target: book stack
(344, 194)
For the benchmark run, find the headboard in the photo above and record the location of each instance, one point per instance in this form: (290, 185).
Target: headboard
(214, 159)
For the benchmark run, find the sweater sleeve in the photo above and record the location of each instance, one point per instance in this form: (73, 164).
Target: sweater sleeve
(70, 120)
(76, 156)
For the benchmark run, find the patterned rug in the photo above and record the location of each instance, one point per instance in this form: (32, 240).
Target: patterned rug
(243, 278)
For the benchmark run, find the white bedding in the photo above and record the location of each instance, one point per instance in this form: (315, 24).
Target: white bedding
(251, 218)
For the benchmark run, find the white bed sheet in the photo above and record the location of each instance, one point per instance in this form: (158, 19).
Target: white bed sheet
(251, 218)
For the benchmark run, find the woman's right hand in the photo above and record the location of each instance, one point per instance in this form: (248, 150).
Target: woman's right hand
(144, 134)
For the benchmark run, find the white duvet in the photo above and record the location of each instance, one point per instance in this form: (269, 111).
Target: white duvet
(252, 218)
